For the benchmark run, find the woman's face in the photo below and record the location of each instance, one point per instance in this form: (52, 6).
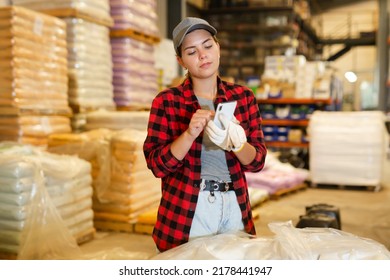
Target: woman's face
(200, 54)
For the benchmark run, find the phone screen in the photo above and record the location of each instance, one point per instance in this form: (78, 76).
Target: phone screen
(227, 108)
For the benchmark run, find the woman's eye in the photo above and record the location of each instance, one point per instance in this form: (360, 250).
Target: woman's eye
(208, 46)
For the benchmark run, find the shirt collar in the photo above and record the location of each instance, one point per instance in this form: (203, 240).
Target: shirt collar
(190, 97)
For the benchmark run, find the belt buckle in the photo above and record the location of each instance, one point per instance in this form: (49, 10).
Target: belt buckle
(215, 186)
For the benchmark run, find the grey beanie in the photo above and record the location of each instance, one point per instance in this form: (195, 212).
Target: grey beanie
(186, 26)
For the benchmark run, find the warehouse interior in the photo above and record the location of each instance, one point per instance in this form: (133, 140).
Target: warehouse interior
(77, 82)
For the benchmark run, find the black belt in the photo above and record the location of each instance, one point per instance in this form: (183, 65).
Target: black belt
(208, 185)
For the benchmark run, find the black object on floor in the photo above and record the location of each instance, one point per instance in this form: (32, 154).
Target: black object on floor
(316, 216)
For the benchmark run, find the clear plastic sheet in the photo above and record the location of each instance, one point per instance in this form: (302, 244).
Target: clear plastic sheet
(40, 232)
(289, 243)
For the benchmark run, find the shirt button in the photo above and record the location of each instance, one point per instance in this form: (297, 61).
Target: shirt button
(196, 185)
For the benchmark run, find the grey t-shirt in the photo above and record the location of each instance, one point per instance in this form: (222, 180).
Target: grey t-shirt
(213, 158)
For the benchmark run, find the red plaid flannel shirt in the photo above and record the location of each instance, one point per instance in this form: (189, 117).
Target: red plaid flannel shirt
(170, 116)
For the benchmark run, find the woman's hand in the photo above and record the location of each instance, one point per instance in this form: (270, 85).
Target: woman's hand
(199, 121)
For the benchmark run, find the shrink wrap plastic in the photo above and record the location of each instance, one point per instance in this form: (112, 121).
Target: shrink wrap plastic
(123, 185)
(347, 148)
(90, 65)
(288, 243)
(45, 203)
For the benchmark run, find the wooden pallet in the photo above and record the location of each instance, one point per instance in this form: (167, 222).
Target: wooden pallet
(114, 226)
(72, 12)
(282, 192)
(8, 256)
(373, 188)
(77, 109)
(134, 107)
(135, 34)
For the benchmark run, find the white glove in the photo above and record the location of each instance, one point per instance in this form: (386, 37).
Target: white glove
(219, 136)
(231, 137)
(236, 133)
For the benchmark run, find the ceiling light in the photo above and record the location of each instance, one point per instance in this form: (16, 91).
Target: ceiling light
(350, 76)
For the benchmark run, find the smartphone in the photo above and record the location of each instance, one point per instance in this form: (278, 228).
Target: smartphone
(227, 108)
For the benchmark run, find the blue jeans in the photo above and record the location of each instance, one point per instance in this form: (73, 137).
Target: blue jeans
(221, 216)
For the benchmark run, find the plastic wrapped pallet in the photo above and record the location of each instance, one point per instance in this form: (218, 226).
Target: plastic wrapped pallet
(33, 76)
(347, 148)
(135, 76)
(133, 188)
(45, 203)
(90, 65)
(124, 187)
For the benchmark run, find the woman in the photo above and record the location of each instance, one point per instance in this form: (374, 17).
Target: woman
(201, 166)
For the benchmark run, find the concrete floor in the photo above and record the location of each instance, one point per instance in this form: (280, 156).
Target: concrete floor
(363, 213)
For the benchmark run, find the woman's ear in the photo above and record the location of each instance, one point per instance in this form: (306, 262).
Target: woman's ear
(180, 61)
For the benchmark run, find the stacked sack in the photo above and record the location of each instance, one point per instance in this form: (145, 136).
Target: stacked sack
(90, 65)
(138, 15)
(124, 187)
(276, 176)
(133, 189)
(133, 35)
(347, 148)
(45, 201)
(90, 71)
(135, 76)
(33, 76)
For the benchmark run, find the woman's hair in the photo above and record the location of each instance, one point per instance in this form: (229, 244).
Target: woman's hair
(179, 54)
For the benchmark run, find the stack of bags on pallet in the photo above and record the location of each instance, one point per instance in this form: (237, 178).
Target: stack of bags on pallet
(133, 189)
(116, 120)
(137, 15)
(124, 187)
(89, 52)
(135, 76)
(90, 65)
(33, 76)
(347, 148)
(276, 176)
(45, 201)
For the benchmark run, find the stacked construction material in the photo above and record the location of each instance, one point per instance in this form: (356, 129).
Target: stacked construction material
(45, 202)
(89, 52)
(124, 187)
(135, 76)
(133, 35)
(90, 65)
(347, 148)
(137, 15)
(277, 176)
(117, 120)
(133, 189)
(33, 76)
